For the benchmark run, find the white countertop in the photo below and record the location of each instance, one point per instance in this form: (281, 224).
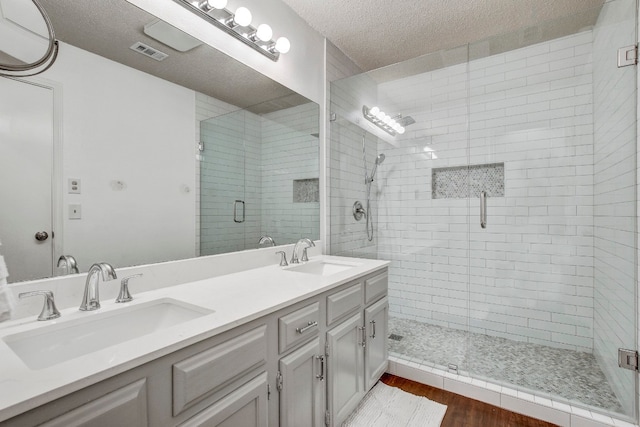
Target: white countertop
(235, 298)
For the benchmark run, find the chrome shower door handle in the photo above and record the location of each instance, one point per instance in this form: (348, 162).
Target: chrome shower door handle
(483, 209)
(236, 216)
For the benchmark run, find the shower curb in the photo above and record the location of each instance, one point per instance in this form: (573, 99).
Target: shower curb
(510, 399)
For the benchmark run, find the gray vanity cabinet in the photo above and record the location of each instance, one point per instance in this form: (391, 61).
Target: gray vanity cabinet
(345, 368)
(308, 364)
(376, 320)
(245, 406)
(301, 384)
(357, 344)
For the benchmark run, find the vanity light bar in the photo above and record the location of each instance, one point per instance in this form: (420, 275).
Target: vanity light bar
(383, 120)
(238, 25)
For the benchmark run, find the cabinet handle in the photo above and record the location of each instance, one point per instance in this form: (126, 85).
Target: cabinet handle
(306, 328)
(373, 329)
(364, 336)
(321, 375)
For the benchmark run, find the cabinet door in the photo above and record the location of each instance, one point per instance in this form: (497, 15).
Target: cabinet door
(245, 406)
(376, 319)
(345, 370)
(302, 397)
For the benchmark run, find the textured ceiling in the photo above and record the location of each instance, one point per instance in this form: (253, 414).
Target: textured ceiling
(376, 33)
(109, 27)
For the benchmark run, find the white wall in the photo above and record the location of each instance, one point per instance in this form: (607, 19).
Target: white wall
(301, 69)
(615, 159)
(120, 124)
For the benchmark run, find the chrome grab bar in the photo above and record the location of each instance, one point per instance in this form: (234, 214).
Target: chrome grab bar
(235, 211)
(306, 328)
(483, 209)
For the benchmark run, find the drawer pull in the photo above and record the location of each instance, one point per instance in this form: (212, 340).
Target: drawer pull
(306, 328)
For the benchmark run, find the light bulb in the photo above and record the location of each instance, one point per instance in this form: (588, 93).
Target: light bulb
(392, 123)
(374, 111)
(380, 115)
(386, 120)
(401, 130)
(217, 4)
(243, 17)
(264, 32)
(283, 45)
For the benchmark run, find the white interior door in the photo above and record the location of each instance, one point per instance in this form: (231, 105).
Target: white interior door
(26, 166)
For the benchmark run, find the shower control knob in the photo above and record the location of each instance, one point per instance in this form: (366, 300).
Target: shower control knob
(41, 236)
(358, 211)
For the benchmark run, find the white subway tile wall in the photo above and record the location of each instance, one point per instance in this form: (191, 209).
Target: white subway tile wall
(531, 270)
(556, 264)
(290, 151)
(615, 98)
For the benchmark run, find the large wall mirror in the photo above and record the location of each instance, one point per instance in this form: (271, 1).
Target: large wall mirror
(141, 145)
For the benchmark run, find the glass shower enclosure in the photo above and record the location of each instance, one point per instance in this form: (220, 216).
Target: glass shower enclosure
(507, 207)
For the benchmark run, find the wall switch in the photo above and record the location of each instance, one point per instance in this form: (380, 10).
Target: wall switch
(74, 186)
(75, 212)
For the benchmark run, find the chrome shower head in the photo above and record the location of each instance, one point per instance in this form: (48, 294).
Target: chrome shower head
(379, 161)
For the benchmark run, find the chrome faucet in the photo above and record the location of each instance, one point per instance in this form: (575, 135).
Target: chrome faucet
(69, 263)
(266, 240)
(91, 299)
(296, 248)
(49, 310)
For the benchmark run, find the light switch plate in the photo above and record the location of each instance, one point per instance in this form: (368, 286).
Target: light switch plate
(74, 186)
(75, 211)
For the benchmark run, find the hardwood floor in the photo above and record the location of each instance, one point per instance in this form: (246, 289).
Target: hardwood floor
(462, 411)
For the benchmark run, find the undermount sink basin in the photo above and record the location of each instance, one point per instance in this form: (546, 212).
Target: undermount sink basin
(47, 346)
(321, 268)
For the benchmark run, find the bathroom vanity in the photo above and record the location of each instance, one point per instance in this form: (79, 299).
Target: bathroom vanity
(270, 346)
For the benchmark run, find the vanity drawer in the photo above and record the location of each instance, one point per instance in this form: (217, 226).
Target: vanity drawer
(375, 287)
(344, 302)
(298, 327)
(207, 372)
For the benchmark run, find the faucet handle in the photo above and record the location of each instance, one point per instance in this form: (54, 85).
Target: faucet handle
(124, 295)
(283, 258)
(49, 310)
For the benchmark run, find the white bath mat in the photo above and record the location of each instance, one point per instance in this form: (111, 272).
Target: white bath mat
(389, 406)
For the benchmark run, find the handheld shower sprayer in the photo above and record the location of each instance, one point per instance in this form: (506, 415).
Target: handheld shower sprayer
(379, 161)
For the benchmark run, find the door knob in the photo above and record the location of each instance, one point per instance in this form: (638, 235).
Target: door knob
(41, 236)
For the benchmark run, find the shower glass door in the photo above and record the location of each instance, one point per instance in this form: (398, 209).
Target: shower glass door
(223, 205)
(552, 166)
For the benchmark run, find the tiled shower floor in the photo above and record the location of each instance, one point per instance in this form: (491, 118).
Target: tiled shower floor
(567, 374)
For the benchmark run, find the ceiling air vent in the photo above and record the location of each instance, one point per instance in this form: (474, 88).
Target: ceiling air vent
(148, 51)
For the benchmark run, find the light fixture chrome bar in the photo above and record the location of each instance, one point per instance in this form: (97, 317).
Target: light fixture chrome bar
(366, 112)
(265, 48)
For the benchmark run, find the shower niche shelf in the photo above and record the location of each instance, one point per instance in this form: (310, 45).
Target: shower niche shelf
(461, 182)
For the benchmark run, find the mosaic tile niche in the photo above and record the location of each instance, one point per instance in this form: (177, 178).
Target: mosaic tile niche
(306, 190)
(461, 182)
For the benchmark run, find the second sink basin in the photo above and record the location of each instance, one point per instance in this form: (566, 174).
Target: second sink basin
(322, 267)
(49, 345)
